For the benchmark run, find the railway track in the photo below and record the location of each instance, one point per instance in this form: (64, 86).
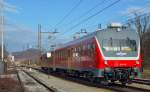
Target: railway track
(33, 84)
(142, 81)
(127, 88)
(10, 81)
(113, 87)
(51, 89)
(21, 85)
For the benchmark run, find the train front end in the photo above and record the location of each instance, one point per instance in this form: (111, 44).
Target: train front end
(120, 50)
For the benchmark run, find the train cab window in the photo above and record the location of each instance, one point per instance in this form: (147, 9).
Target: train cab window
(119, 45)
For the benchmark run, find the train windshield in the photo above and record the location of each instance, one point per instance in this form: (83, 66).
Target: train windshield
(119, 47)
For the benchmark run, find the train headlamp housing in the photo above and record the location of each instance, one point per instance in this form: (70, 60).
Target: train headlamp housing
(137, 62)
(108, 69)
(105, 62)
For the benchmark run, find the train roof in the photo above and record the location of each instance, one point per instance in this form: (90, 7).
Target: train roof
(104, 33)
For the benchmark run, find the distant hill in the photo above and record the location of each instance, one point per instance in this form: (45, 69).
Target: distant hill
(29, 54)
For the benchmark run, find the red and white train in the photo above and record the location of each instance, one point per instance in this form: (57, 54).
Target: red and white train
(111, 54)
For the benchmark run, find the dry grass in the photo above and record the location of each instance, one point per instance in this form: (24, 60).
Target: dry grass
(146, 74)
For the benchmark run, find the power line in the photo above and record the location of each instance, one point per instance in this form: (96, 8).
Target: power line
(140, 10)
(68, 13)
(88, 11)
(93, 15)
(82, 21)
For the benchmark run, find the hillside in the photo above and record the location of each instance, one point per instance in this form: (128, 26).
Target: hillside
(29, 54)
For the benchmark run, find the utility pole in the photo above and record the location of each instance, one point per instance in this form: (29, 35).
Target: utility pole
(2, 29)
(40, 32)
(2, 63)
(78, 34)
(39, 37)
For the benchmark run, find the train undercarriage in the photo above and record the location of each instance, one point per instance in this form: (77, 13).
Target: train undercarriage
(110, 76)
(123, 75)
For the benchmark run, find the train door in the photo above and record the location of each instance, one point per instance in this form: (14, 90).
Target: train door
(69, 60)
(54, 61)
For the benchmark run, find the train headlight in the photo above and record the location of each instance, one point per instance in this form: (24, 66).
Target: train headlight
(137, 62)
(108, 69)
(105, 62)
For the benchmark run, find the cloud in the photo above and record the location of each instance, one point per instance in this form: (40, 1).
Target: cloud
(136, 0)
(17, 35)
(135, 9)
(9, 8)
(16, 39)
(16, 27)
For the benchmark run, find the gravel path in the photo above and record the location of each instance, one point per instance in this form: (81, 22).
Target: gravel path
(64, 85)
(30, 85)
(140, 86)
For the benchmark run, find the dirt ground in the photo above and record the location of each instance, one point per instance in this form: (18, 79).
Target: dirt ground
(9, 82)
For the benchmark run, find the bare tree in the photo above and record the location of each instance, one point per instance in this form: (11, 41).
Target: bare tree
(141, 23)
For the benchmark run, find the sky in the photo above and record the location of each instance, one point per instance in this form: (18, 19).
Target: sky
(23, 16)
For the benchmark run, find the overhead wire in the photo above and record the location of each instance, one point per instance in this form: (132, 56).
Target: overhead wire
(146, 7)
(87, 12)
(72, 10)
(93, 15)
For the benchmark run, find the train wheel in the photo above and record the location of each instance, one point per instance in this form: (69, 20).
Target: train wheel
(105, 83)
(91, 79)
(123, 83)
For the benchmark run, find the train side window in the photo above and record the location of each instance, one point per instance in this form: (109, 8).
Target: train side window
(84, 47)
(88, 49)
(89, 46)
(79, 50)
(75, 49)
(68, 53)
(93, 46)
(59, 55)
(82, 51)
(62, 55)
(71, 52)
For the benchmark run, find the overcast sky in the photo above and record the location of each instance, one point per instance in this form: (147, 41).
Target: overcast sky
(23, 16)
